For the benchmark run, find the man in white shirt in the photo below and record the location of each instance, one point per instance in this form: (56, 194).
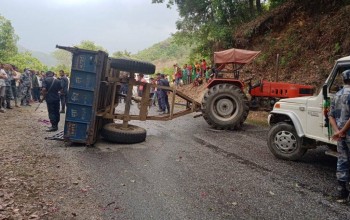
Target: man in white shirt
(3, 76)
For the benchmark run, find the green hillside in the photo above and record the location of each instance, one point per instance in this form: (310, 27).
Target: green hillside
(164, 54)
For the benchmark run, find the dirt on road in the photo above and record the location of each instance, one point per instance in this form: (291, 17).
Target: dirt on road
(39, 178)
(36, 181)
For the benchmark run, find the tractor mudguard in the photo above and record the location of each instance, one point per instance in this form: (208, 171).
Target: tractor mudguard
(235, 82)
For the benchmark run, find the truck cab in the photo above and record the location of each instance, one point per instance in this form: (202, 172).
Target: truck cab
(298, 124)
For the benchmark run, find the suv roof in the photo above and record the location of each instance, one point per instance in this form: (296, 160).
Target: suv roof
(344, 58)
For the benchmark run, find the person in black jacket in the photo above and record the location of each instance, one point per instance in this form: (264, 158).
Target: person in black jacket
(64, 92)
(51, 87)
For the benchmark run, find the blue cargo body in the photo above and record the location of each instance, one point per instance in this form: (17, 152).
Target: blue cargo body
(86, 74)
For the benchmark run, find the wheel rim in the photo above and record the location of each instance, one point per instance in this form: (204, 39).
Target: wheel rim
(286, 142)
(225, 108)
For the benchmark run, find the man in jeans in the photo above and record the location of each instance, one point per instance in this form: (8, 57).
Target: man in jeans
(64, 91)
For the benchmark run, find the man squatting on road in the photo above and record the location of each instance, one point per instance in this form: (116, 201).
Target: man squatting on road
(51, 88)
(339, 118)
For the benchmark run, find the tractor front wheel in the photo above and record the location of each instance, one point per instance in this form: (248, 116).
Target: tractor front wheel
(225, 107)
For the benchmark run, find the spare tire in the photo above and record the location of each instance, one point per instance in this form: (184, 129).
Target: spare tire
(133, 66)
(225, 107)
(117, 134)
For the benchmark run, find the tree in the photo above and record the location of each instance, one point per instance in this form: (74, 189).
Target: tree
(26, 60)
(8, 39)
(209, 24)
(64, 57)
(121, 54)
(90, 45)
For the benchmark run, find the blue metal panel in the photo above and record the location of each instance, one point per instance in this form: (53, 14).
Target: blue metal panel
(75, 131)
(80, 97)
(78, 113)
(85, 62)
(83, 80)
(86, 74)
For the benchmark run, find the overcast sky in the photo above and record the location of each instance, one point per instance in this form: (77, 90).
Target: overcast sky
(113, 24)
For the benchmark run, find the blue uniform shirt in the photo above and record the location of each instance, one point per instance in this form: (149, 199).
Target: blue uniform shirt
(340, 107)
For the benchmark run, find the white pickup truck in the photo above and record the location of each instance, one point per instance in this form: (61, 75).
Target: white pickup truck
(298, 124)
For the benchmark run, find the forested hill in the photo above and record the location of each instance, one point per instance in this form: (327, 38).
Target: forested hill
(308, 36)
(164, 54)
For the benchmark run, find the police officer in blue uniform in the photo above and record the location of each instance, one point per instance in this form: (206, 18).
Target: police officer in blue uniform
(164, 101)
(50, 90)
(339, 118)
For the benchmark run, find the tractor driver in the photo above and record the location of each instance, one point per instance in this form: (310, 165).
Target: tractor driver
(339, 118)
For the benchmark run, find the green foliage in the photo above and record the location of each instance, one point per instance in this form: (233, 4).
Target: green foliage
(274, 3)
(63, 67)
(165, 50)
(26, 60)
(209, 25)
(121, 54)
(337, 48)
(8, 39)
(64, 57)
(90, 45)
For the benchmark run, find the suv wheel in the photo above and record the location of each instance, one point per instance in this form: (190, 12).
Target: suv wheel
(284, 142)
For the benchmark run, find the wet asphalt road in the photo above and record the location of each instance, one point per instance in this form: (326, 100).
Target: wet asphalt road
(185, 170)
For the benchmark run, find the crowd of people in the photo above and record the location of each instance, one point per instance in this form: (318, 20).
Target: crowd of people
(189, 74)
(24, 89)
(158, 96)
(196, 74)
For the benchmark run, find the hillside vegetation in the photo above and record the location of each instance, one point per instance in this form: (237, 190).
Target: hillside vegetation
(308, 36)
(308, 39)
(164, 54)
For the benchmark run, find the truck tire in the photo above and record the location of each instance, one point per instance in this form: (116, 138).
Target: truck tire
(113, 132)
(133, 66)
(284, 142)
(225, 107)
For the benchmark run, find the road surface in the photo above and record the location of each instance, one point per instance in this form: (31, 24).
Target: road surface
(185, 170)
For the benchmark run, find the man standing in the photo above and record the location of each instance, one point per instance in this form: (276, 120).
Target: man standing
(36, 86)
(64, 91)
(164, 95)
(143, 81)
(339, 118)
(3, 76)
(8, 90)
(25, 87)
(51, 87)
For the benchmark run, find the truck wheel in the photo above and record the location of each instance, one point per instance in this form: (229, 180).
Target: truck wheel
(284, 142)
(134, 66)
(225, 107)
(117, 134)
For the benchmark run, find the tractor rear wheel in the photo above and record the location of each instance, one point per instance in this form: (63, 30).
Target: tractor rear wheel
(117, 134)
(225, 107)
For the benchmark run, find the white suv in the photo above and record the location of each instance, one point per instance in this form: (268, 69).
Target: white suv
(298, 124)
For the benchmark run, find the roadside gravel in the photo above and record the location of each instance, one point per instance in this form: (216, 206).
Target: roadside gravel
(38, 179)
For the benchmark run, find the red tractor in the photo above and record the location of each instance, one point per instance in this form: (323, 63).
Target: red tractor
(225, 105)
